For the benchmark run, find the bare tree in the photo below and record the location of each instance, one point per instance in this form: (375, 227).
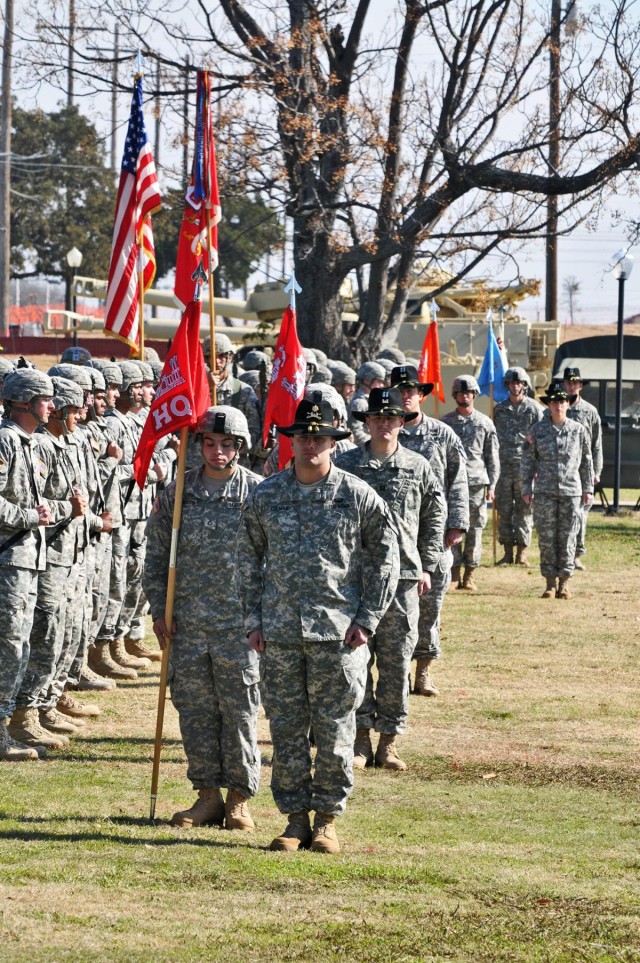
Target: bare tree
(424, 142)
(570, 292)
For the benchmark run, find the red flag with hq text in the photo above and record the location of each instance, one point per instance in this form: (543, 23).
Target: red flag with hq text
(182, 395)
(286, 388)
(202, 196)
(429, 367)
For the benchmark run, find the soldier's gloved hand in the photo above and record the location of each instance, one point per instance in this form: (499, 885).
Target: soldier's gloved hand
(107, 521)
(162, 633)
(255, 641)
(452, 537)
(424, 584)
(44, 515)
(356, 636)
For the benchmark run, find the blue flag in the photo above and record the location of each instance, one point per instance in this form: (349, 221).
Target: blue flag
(493, 370)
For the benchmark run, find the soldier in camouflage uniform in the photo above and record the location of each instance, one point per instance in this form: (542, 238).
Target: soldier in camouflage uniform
(28, 402)
(369, 375)
(514, 417)
(557, 455)
(587, 415)
(480, 442)
(444, 452)
(318, 567)
(406, 483)
(231, 391)
(213, 674)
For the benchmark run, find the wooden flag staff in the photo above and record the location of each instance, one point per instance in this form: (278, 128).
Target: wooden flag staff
(198, 276)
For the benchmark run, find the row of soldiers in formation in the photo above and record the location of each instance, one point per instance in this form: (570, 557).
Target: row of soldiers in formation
(75, 574)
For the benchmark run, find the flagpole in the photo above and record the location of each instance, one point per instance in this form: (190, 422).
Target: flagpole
(212, 314)
(198, 276)
(141, 294)
(168, 617)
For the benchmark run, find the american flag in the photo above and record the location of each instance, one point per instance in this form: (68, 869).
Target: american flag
(138, 198)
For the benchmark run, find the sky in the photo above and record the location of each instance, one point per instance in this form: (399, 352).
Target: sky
(584, 255)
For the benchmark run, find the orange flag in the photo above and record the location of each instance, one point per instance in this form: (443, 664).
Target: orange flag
(429, 367)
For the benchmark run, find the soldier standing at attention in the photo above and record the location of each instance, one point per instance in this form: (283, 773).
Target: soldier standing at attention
(231, 391)
(558, 456)
(213, 673)
(445, 454)
(587, 415)
(369, 375)
(514, 417)
(318, 567)
(406, 483)
(480, 442)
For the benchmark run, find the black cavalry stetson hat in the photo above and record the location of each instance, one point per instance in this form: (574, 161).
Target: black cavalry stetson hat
(573, 374)
(385, 401)
(406, 376)
(557, 392)
(314, 416)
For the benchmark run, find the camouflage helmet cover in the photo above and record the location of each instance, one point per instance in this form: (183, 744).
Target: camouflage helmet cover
(25, 384)
(131, 374)
(516, 374)
(76, 373)
(371, 371)
(75, 355)
(225, 420)
(465, 383)
(5, 368)
(68, 394)
(97, 379)
(145, 368)
(392, 354)
(253, 359)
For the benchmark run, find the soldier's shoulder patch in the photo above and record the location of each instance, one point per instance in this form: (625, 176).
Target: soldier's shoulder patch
(40, 467)
(4, 464)
(155, 508)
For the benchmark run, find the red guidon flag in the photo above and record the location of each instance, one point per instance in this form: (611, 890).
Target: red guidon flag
(182, 395)
(429, 367)
(287, 384)
(202, 196)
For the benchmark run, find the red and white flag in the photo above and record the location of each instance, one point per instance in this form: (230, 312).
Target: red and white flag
(286, 388)
(202, 196)
(138, 198)
(182, 395)
(429, 368)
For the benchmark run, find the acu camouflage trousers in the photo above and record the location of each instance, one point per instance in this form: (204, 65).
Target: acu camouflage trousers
(557, 519)
(469, 551)
(18, 591)
(516, 518)
(428, 646)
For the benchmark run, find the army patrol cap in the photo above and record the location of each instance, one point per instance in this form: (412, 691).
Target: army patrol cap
(314, 416)
(131, 374)
(67, 394)
(573, 374)
(516, 374)
(25, 384)
(406, 376)
(465, 383)
(75, 355)
(79, 375)
(225, 420)
(392, 354)
(371, 371)
(385, 401)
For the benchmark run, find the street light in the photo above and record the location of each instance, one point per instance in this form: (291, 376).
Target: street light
(622, 265)
(74, 260)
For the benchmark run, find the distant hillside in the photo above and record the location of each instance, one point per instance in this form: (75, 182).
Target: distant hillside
(570, 332)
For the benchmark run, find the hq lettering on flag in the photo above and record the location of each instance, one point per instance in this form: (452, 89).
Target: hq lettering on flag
(287, 384)
(132, 248)
(202, 196)
(182, 395)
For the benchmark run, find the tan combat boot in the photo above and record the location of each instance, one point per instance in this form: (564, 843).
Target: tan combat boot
(387, 754)
(455, 576)
(207, 809)
(521, 556)
(90, 681)
(101, 662)
(550, 591)
(507, 558)
(121, 657)
(25, 728)
(236, 812)
(55, 722)
(563, 588)
(578, 564)
(468, 583)
(69, 706)
(141, 650)
(296, 836)
(12, 751)
(324, 838)
(362, 750)
(424, 684)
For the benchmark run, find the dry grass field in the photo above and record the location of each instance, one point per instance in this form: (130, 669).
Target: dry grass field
(513, 836)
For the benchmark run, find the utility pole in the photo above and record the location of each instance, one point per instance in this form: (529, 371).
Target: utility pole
(551, 245)
(70, 61)
(5, 171)
(114, 99)
(185, 133)
(156, 151)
